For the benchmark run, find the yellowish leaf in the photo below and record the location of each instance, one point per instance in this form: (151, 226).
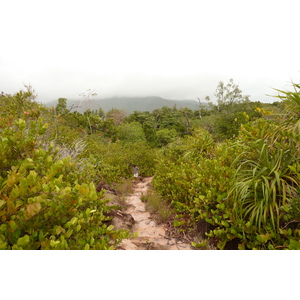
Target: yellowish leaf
(33, 209)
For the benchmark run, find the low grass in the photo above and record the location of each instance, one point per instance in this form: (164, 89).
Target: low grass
(124, 188)
(158, 206)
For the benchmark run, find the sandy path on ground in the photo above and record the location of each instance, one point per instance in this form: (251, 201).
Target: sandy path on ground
(151, 236)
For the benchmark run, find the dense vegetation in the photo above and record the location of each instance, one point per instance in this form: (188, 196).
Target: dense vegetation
(230, 172)
(239, 192)
(50, 165)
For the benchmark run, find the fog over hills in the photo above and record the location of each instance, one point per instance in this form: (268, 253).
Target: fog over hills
(130, 104)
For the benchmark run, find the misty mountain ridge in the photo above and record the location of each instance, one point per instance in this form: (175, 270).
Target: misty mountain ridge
(130, 104)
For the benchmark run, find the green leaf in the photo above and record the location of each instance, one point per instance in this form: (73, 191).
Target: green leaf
(3, 227)
(23, 240)
(33, 209)
(41, 235)
(54, 243)
(178, 223)
(3, 245)
(31, 178)
(13, 225)
(59, 230)
(69, 233)
(221, 244)
(233, 231)
(2, 202)
(241, 246)
(263, 238)
(45, 188)
(74, 221)
(248, 224)
(110, 227)
(16, 247)
(259, 238)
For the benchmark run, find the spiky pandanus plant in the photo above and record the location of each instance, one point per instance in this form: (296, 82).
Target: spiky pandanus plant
(267, 174)
(264, 184)
(291, 115)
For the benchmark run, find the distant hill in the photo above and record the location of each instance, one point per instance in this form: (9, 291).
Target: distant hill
(131, 104)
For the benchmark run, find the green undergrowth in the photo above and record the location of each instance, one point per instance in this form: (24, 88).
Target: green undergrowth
(242, 193)
(156, 204)
(48, 197)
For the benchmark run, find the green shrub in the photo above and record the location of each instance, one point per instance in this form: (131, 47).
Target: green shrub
(47, 202)
(196, 181)
(114, 161)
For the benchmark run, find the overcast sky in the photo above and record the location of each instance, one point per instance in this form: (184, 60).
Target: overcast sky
(173, 49)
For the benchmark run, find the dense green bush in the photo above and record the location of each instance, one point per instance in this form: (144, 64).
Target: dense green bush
(194, 176)
(46, 201)
(114, 160)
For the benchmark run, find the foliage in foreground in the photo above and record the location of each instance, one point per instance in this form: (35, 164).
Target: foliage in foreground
(47, 201)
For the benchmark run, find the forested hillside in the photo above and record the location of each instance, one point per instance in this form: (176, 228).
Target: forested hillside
(229, 174)
(128, 104)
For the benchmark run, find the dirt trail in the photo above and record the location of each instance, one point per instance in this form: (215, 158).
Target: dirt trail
(151, 236)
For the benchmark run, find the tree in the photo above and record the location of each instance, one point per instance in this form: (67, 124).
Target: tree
(199, 109)
(131, 132)
(88, 99)
(88, 102)
(228, 94)
(185, 119)
(101, 113)
(61, 106)
(165, 136)
(117, 115)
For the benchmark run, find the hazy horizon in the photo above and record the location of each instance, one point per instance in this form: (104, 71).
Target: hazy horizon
(265, 96)
(176, 50)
